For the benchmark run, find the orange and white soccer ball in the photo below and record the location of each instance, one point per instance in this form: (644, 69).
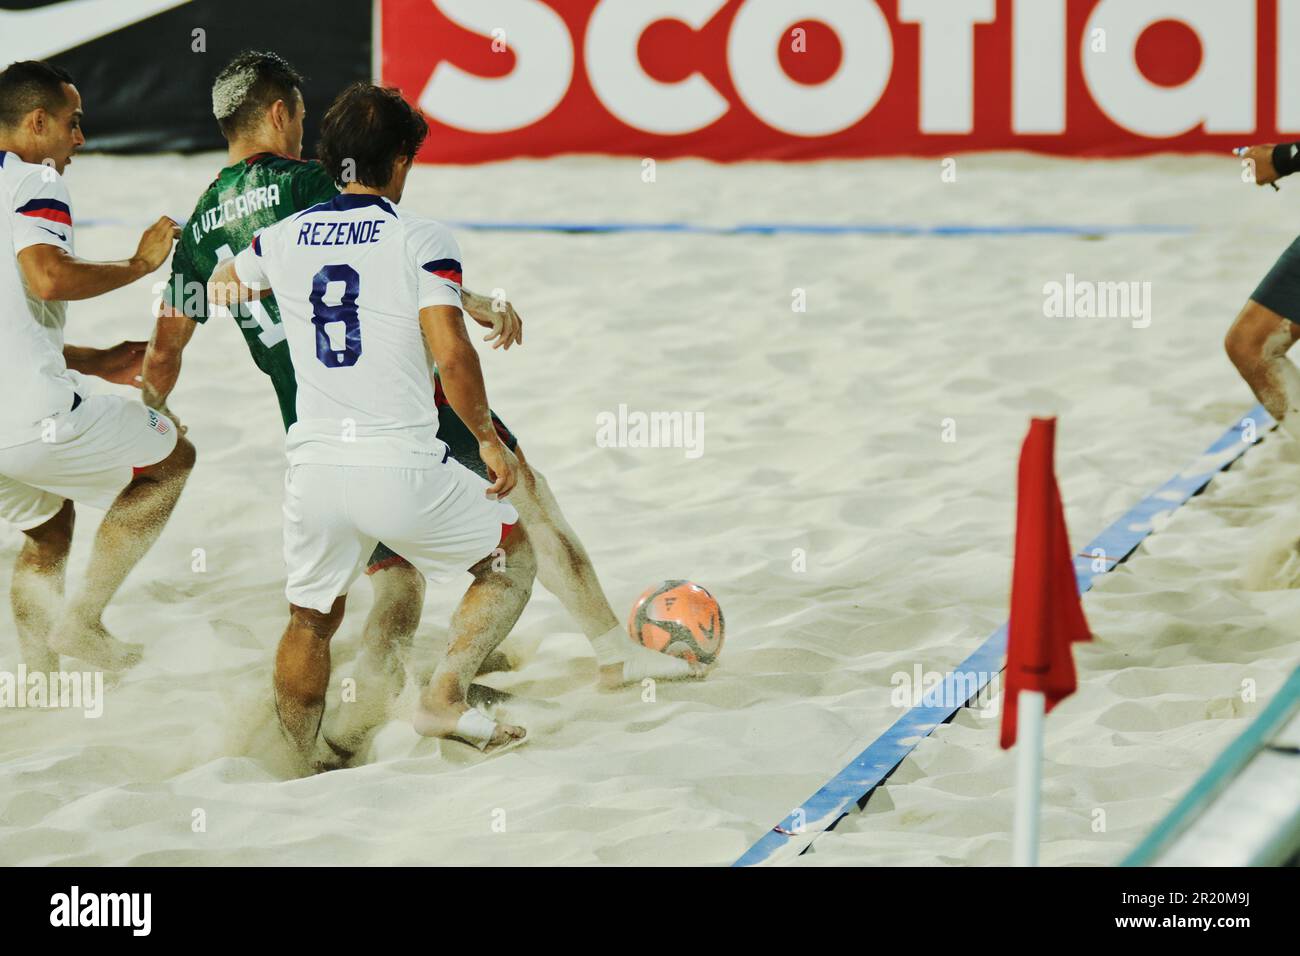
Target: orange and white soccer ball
(678, 618)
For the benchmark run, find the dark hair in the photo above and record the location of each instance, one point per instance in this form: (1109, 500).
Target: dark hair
(372, 126)
(30, 85)
(248, 85)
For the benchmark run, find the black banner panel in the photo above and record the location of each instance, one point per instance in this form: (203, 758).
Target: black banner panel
(145, 67)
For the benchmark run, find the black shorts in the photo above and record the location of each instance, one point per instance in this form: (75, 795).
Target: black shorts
(1280, 290)
(464, 448)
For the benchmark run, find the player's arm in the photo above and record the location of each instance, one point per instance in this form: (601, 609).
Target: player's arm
(181, 307)
(231, 284)
(54, 274)
(120, 364)
(162, 362)
(462, 382)
(437, 263)
(499, 315)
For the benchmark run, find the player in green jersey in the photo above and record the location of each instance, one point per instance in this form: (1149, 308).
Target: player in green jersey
(258, 103)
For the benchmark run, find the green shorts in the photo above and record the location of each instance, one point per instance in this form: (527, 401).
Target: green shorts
(1280, 290)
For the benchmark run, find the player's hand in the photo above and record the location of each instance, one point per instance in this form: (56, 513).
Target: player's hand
(225, 288)
(159, 405)
(181, 428)
(164, 410)
(122, 364)
(1261, 158)
(506, 325)
(503, 468)
(156, 243)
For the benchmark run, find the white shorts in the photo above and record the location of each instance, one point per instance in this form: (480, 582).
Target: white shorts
(436, 518)
(90, 458)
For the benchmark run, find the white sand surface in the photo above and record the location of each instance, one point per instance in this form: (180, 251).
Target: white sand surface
(823, 432)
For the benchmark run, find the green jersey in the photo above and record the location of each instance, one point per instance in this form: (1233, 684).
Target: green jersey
(244, 198)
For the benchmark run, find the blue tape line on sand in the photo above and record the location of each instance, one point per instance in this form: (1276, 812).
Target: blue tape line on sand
(823, 229)
(786, 228)
(854, 783)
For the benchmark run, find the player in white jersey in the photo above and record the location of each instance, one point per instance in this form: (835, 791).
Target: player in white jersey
(369, 299)
(59, 443)
(257, 98)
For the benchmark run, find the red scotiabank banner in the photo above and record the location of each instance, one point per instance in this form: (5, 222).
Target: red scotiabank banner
(813, 79)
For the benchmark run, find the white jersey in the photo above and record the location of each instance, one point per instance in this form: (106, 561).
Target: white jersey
(34, 377)
(350, 277)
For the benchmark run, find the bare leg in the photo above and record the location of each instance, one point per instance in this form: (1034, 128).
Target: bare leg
(484, 617)
(563, 566)
(1257, 343)
(37, 591)
(381, 665)
(565, 569)
(129, 529)
(302, 672)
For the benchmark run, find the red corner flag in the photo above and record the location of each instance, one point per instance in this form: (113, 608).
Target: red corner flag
(1046, 617)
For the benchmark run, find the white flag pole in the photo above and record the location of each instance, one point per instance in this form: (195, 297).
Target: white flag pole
(1029, 777)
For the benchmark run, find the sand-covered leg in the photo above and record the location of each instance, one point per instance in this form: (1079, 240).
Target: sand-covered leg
(129, 529)
(302, 673)
(380, 668)
(36, 594)
(484, 617)
(563, 566)
(565, 569)
(1257, 344)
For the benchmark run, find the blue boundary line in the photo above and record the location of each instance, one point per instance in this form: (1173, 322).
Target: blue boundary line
(904, 230)
(855, 783)
(824, 229)
(1225, 768)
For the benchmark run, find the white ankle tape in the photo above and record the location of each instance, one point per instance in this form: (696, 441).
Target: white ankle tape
(476, 727)
(610, 647)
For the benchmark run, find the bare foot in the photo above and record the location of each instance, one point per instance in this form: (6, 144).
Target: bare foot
(329, 755)
(349, 725)
(90, 641)
(436, 718)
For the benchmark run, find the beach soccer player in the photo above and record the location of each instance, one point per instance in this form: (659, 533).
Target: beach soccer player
(59, 442)
(258, 102)
(362, 290)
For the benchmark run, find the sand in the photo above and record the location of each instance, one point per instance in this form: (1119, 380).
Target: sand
(845, 538)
